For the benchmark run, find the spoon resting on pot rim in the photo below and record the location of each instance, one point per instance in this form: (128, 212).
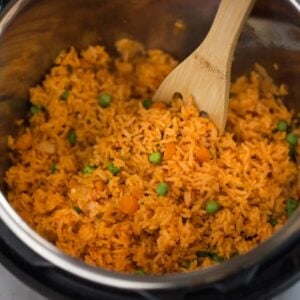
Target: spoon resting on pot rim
(205, 74)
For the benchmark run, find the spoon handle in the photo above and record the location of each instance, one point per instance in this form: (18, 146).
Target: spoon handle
(221, 40)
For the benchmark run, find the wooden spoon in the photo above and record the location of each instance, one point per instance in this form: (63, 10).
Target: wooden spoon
(205, 74)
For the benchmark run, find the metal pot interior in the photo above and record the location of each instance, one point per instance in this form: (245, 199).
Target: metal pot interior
(32, 33)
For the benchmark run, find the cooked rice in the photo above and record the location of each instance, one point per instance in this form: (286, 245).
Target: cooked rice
(248, 170)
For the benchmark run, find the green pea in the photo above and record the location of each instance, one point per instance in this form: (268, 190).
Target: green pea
(217, 258)
(282, 125)
(139, 272)
(203, 254)
(293, 153)
(203, 114)
(177, 95)
(155, 158)
(53, 168)
(65, 95)
(147, 103)
(213, 256)
(162, 189)
(35, 109)
(88, 169)
(292, 139)
(291, 206)
(104, 100)
(113, 169)
(72, 137)
(212, 207)
(273, 222)
(78, 209)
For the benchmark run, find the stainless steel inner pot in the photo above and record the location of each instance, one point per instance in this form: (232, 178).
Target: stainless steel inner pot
(32, 33)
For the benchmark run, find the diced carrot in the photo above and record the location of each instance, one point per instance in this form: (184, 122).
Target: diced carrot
(24, 141)
(128, 204)
(159, 105)
(202, 154)
(170, 150)
(137, 193)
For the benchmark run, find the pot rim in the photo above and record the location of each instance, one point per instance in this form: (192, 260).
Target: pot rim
(253, 259)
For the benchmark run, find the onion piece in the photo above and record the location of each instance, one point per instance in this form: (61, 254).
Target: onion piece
(46, 147)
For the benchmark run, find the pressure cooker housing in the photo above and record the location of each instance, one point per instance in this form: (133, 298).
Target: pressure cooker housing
(33, 32)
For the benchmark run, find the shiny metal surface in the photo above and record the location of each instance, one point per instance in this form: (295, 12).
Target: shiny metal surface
(33, 32)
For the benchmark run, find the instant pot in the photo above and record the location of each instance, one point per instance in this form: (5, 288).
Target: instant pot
(33, 32)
